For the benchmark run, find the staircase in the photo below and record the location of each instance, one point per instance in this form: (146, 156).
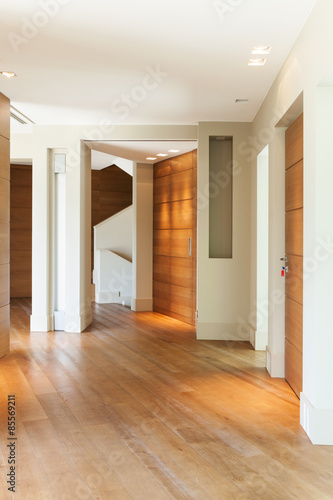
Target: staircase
(112, 273)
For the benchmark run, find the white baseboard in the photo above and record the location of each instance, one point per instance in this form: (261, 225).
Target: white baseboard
(72, 323)
(41, 323)
(77, 324)
(223, 331)
(258, 339)
(142, 305)
(275, 363)
(111, 298)
(317, 422)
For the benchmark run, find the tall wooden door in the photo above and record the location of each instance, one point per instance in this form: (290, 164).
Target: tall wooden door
(294, 255)
(175, 235)
(20, 230)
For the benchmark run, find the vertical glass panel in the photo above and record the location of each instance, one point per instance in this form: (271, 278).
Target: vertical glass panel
(220, 197)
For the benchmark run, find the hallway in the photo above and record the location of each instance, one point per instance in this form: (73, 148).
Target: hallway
(136, 408)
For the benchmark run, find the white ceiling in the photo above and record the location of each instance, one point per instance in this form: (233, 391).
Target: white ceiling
(136, 151)
(86, 61)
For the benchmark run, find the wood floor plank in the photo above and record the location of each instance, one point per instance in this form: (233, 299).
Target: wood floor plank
(136, 408)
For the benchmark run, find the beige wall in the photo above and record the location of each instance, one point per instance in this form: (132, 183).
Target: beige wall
(224, 284)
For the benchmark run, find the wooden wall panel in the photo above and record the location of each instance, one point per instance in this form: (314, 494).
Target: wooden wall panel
(294, 278)
(176, 271)
(4, 285)
(173, 165)
(294, 323)
(5, 120)
(4, 242)
(294, 255)
(294, 367)
(178, 186)
(294, 142)
(4, 198)
(111, 192)
(173, 215)
(20, 230)
(173, 242)
(294, 188)
(294, 232)
(4, 155)
(174, 301)
(194, 234)
(174, 225)
(4, 223)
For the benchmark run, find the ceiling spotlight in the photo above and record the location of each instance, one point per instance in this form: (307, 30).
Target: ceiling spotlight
(174, 150)
(7, 74)
(150, 158)
(256, 62)
(241, 101)
(161, 154)
(261, 50)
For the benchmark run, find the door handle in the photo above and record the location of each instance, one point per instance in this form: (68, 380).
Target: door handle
(190, 247)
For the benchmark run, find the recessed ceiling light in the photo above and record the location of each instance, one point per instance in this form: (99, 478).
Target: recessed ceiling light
(174, 150)
(256, 62)
(261, 50)
(150, 158)
(7, 74)
(241, 101)
(161, 154)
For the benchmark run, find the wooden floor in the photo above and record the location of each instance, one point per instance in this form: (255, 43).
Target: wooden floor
(136, 408)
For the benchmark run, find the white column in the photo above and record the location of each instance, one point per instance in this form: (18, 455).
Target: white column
(41, 319)
(77, 237)
(317, 395)
(261, 332)
(276, 250)
(142, 291)
(59, 239)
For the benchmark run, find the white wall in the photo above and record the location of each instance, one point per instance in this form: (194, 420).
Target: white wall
(83, 313)
(260, 323)
(116, 233)
(224, 284)
(113, 278)
(303, 71)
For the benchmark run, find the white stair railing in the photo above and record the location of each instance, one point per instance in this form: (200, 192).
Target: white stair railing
(112, 274)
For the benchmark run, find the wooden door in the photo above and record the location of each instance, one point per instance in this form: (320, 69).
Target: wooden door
(294, 256)
(20, 230)
(175, 235)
